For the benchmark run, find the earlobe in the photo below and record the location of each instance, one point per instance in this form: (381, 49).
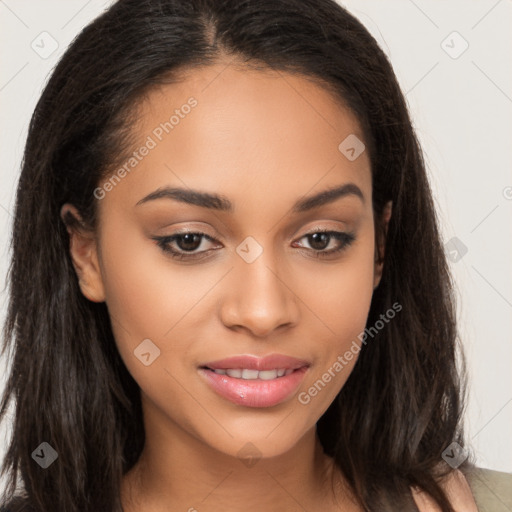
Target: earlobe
(380, 246)
(84, 254)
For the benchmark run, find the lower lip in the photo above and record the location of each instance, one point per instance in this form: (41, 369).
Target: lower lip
(254, 392)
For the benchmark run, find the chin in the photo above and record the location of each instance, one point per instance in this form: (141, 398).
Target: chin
(269, 437)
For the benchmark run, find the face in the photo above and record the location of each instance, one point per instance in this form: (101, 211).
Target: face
(255, 275)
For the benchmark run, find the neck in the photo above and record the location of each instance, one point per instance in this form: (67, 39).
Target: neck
(176, 471)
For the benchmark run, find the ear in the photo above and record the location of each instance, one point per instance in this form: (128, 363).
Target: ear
(84, 254)
(382, 231)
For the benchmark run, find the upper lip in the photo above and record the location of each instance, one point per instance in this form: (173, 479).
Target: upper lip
(270, 362)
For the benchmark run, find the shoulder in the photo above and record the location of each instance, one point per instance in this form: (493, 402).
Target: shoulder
(492, 489)
(477, 490)
(457, 490)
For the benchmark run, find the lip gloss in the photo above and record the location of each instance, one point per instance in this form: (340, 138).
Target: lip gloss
(254, 392)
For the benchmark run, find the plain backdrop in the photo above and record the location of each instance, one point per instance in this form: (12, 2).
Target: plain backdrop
(452, 60)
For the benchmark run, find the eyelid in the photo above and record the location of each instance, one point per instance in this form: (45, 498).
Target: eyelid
(344, 238)
(215, 237)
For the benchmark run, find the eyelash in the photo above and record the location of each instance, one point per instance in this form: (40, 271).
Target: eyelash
(164, 243)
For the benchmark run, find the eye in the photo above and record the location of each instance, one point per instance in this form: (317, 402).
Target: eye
(320, 239)
(187, 243)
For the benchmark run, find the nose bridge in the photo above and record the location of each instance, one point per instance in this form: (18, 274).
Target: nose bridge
(258, 296)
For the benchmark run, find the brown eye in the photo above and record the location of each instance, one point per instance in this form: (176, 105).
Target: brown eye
(188, 241)
(321, 239)
(184, 245)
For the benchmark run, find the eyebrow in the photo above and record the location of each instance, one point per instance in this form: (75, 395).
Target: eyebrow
(222, 203)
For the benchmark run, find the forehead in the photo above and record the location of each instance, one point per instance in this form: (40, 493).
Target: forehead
(235, 129)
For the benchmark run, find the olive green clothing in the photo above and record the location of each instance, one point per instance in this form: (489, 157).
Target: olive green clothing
(492, 490)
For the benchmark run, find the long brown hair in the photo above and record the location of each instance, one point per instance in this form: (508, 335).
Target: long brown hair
(401, 406)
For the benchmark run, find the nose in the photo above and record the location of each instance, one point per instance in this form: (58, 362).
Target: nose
(259, 298)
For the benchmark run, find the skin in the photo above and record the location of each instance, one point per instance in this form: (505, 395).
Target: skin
(263, 140)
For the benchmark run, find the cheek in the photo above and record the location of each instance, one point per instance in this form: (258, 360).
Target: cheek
(138, 299)
(341, 301)
(145, 289)
(340, 295)
(150, 297)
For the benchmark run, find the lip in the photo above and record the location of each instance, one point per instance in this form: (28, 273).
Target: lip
(255, 392)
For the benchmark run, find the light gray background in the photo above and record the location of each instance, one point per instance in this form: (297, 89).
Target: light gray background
(461, 108)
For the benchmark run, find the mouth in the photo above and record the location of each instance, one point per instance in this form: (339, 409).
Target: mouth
(255, 382)
(248, 374)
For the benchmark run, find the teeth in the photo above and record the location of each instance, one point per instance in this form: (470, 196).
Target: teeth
(246, 374)
(250, 374)
(267, 374)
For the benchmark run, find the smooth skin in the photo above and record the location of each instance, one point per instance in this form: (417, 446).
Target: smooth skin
(263, 140)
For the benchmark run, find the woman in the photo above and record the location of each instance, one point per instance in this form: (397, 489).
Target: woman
(228, 289)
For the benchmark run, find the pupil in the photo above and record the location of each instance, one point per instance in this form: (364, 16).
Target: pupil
(319, 237)
(188, 238)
